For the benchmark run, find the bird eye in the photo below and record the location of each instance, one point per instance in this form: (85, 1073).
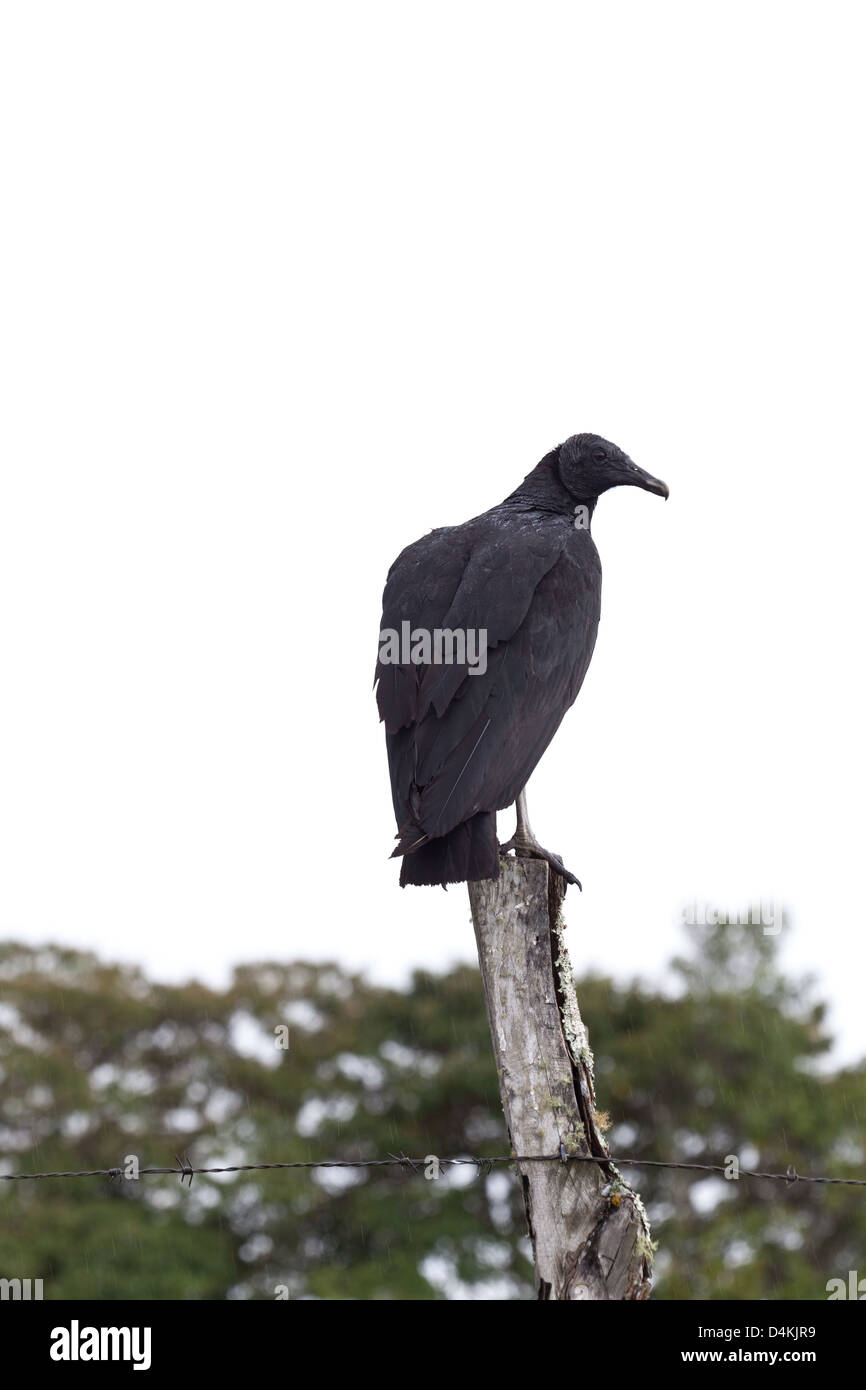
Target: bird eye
(599, 455)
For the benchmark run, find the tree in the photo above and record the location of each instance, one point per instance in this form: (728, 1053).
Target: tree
(99, 1063)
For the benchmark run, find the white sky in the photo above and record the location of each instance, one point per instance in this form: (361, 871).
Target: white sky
(284, 287)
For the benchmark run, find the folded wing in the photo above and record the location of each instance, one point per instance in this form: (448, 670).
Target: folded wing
(458, 742)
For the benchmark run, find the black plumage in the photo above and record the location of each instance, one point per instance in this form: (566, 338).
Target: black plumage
(462, 745)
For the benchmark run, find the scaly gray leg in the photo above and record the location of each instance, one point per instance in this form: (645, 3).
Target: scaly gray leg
(524, 842)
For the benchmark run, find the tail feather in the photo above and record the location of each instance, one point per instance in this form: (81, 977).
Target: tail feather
(466, 854)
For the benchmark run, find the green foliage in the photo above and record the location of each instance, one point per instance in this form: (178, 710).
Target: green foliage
(734, 1066)
(98, 1063)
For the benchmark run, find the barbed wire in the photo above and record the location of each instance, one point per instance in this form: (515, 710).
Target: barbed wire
(185, 1169)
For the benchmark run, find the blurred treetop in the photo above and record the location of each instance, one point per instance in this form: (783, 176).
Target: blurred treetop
(97, 1063)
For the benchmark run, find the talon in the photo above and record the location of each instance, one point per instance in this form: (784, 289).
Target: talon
(533, 850)
(523, 842)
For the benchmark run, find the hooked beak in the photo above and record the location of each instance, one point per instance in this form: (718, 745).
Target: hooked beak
(638, 477)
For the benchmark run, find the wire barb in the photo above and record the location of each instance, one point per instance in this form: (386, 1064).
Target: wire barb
(186, 1169)
(412, 1164)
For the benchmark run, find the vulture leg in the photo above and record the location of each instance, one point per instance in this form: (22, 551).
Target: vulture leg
(524, 842)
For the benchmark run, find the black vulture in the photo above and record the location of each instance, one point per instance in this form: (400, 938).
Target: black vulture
(487, 632)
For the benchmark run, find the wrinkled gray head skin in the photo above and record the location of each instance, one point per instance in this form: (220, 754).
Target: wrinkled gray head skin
(589, 465)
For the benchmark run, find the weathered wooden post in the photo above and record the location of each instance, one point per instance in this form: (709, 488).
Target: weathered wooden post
(590, 1236)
